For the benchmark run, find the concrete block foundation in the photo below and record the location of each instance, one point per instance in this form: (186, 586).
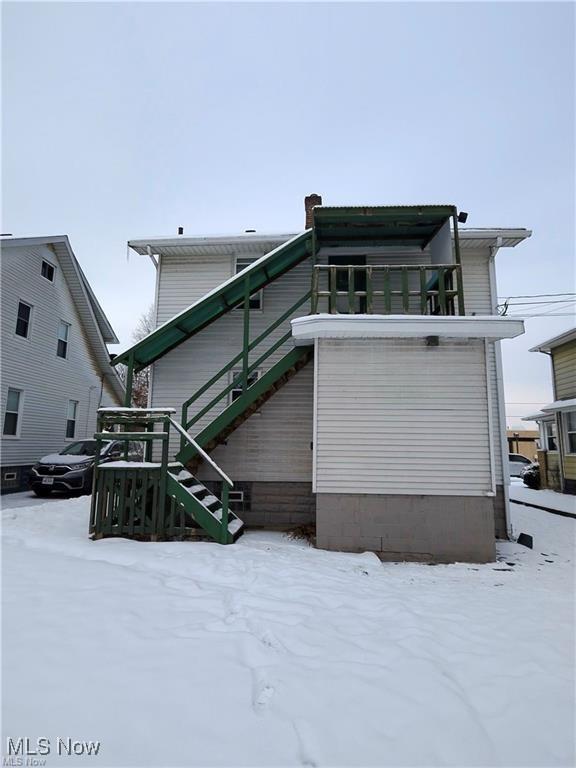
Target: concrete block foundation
(438, 529)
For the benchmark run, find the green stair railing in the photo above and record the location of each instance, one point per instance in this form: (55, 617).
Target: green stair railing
(240, 381)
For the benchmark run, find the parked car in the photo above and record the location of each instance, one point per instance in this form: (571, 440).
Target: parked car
(72, 469)
(517, 464)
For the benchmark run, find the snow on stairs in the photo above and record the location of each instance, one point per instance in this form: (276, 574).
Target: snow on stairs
(204, 509)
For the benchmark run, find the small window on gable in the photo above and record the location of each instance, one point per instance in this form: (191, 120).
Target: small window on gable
(71, 418)
(256, 300)
(63, 336)
(48, 270)
(23, 319)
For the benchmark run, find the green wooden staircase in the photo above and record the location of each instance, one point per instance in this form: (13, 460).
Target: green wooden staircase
(250, 401)
(202, 507)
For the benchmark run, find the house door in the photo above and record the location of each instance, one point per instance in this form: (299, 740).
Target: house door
(342, 282)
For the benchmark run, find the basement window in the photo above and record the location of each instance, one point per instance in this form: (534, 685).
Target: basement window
(256, 300)
(236, 392)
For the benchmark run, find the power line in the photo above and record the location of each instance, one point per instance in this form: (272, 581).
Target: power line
(537, 295)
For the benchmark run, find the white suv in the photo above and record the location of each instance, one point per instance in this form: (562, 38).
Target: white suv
(517, 464)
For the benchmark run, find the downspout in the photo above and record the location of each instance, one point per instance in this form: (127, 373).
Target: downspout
(492, 491)
(158, 266)
(500, 389)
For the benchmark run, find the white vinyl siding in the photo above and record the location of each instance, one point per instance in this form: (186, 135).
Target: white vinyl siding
(182, 280)
(401, 417)
(47, 380)
(478, 301)
(283, 427)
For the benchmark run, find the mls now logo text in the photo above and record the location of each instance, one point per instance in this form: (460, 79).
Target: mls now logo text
(28, 752)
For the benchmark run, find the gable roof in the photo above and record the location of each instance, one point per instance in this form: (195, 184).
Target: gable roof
(94, 321)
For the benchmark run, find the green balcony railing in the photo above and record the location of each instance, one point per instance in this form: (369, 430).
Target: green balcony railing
(388, 290)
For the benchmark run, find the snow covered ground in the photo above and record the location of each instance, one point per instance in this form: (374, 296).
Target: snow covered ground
(564, 502)
(271, 653)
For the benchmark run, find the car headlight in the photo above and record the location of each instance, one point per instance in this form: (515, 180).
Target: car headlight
(84, 465)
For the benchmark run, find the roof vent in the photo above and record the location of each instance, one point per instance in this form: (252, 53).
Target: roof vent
(249, 231)
(180, 230)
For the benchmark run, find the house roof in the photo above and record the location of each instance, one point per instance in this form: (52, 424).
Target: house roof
(217, 302)
(418, 224)
(249, 243)
(405, 225)
(555, 341)
(96, 324)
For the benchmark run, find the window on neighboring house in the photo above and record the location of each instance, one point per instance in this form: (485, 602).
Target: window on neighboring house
(551, 444)
(256, 300)
(12, 413)
(237, 390)
(48, 271)
(63, 334)
(71, 418)
(23, 319)
(570, 431)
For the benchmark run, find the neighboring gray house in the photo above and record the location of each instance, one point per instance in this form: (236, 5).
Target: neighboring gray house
(55, 365)
(366, 372)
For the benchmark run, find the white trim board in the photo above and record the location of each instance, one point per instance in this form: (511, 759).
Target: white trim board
(324, 326)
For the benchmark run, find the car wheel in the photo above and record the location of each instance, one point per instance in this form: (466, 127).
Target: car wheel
(42, 491)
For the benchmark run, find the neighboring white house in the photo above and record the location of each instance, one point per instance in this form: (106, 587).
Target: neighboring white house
(385, 427)
(55, 365)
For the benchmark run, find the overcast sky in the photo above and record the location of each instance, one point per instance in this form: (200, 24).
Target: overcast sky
(123, 120)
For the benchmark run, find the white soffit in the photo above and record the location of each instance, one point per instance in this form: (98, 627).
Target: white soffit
(325, 326)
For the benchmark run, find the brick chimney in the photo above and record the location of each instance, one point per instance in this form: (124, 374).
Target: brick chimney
(309, 202)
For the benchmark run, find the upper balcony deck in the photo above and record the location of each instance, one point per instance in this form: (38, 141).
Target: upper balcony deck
(386, 260)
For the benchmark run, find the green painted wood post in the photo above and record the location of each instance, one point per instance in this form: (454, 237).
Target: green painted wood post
(93, 507)
(442, 291)
(314, 291)
(246, 334)
(460, 288)
(351, 294)
(163, 476)
(149, 443)
(405, 294)
(369, 290)
(333, 295)
(224, 532)
(423, 292)
(129, 381)
(387, 295)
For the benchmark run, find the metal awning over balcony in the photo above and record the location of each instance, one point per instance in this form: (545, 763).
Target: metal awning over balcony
(410, 225)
